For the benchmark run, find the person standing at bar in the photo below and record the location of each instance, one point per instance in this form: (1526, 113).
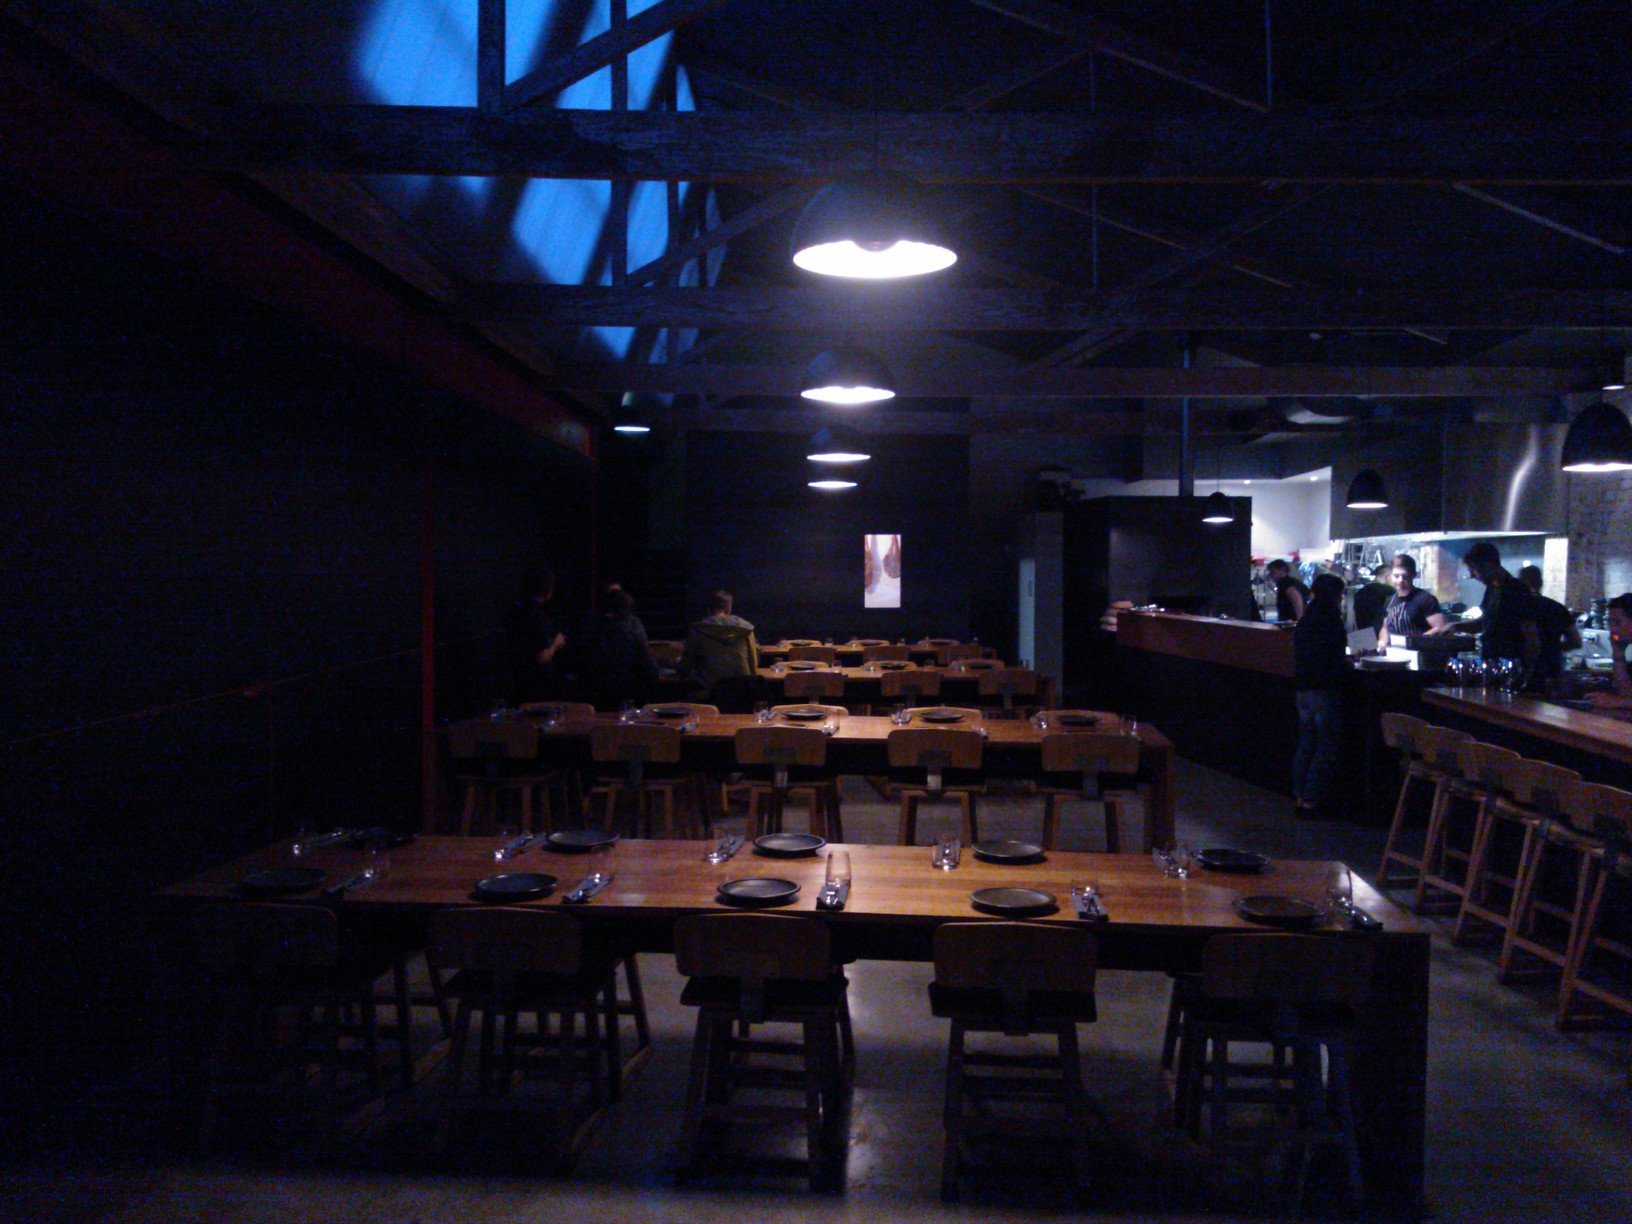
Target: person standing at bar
(1320, 661)
(535, 633)
(1555, 626)
(1507, 620)
(1410, 610)
(1291, 596)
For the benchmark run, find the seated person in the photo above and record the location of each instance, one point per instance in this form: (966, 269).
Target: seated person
(1620, 638)
(607, 659)
(720, 649)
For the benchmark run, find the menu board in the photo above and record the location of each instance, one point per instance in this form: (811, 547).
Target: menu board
(881, 571)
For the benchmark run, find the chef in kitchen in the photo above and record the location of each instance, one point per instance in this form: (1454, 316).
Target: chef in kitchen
(1410, 610)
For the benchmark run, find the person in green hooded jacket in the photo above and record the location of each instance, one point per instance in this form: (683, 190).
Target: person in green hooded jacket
(720, 649)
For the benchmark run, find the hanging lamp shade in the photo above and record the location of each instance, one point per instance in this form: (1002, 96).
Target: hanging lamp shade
(1217, 508)
(848, 376)
(832, 485)
(829, 446)
(631, 416)
(1367, 491)
(1599, 440)
(873, 225)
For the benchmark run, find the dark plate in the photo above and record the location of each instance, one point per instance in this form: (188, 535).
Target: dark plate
(516, 886)
(1016, 901)
(380, 837)
(941, 716)
(806, 665)
(758, 890)
(806, 714)
(283, 880)
(789, 845)
(668, 711)
(893, 665)
(1008, 851)
(1076, 720)
(1241, 862)
(580, 839)
(1280, 911)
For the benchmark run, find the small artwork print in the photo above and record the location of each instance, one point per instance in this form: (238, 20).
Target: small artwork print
(881, 571)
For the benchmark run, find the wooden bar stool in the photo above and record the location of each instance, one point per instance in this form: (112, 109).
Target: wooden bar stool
(784, 760)
(1073, 763)
(1013, 979)
(935, 762)
(1451, 822)
(1598, 970)
(648, 758)
(1526, 795)
(1427, 771)
(745, 971)
(1556, 874)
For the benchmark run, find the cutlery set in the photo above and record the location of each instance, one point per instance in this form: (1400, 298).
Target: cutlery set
(587, 887)
(728, 846)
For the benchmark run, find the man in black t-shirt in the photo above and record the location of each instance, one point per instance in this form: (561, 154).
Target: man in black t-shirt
(1555, 626)
(1291, 596)
(1410, 610)
(1507, 620)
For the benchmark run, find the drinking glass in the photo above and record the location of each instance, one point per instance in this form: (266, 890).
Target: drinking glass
(1512, 676)
(626, 712)
(838, 868)
(898, 715)
(377, 856)
(1130, 722)
(762, 711)
(1340, 887)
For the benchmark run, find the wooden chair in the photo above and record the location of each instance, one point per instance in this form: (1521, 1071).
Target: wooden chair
(510, 963)
(298, 1022)
(745, 971)
(813, 654)
(1555, 876)
(949, 652)
(813, 686)
(1526, 795)
(975, 663)
(648, 759)
(782, 760)
(1012, 980)
(1000, 686)
(1428, 770)
(494, 764)
(932, 762)
(1599, 966)
(911, 685)
(1073, 763)
(666, 653)
(1460, 808)
(884, 652)
(1297, 995)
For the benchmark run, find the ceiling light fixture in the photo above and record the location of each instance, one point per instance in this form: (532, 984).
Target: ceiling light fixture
(1218, 508)
(832, 485)
(632, 415)
(848, 376)
(1598, 440)
(1367, 491)
(828, 447)
(872, 225)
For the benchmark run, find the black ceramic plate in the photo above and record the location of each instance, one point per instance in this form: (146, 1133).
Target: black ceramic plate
(669, 711)
(580, 839)
(1008, 851)
(941, 716)
(805, 665)
(380, 837)
(789, 845)
(805, 714)
(1013, 901)
(283, 880)
(1280, 911)
(758, 890)
(893, 665)
(1076, 720)
(516, 886)
(1245, 862)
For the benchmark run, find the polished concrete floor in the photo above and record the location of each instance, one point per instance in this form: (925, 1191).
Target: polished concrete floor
(1524, 1123)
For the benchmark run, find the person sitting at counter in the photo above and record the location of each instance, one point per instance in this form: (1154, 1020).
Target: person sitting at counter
(1507, 619)
(1320, 660)
(1291, 596)
(1619, 623)
(1411, 610)
(1555, 626)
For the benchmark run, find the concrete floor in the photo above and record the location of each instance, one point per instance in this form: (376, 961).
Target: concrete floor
(1524, 1123)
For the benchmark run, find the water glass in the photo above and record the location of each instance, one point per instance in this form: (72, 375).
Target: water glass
(838, 868)
(1340, 887)
(627, 711)
(762, 712)
(899, 715)
(1130, 722)
(377, 856)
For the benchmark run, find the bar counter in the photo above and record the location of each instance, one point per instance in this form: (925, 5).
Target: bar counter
(1599, 746)
(1247, 645)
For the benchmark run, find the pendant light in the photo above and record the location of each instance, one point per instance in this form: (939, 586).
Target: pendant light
(631, 416)
(1217, 508)
(873, 225)
(832, 485)
(847, 376)
(1598, 440)
(1367, 491)
(830, 447)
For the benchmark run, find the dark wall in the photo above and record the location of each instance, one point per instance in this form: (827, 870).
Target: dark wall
(213, 535)
(792, 556)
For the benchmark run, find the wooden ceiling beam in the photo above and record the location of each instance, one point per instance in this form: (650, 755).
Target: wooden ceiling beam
(941, 147)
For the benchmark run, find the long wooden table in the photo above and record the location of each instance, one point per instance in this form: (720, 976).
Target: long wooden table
(1013, 749)
(1600, 743)
(863, 683)
(897, 899)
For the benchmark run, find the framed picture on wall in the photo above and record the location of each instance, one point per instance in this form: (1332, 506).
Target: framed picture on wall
(881, 571)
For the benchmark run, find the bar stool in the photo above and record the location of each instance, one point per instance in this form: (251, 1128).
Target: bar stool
(1461, 808)
(932, 762)
(649, 757)
(787, 760)
(1072, 766)
(1527, 795)
(744, 971)
(1587, 989)
(1012, 979)
(1427, 766)
(1556, 873)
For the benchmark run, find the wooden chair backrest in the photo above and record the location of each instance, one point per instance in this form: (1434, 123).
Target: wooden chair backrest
(1287, 968)
(813, 654)
(910, 683)
(832, 711)
(1489, 766)
(513, 739)
(1001, 954)
(975, 663)
(780, 745)
(650, 710)
(1603, 811)
(506, 939)
(1011, 681)
(259, 937)
(1539, 785)
(883, 651)
(634, 742)
(1400, 731)
(950, 653)
(1087, 752)
(561, 711)
(665, 652)
(1441, 747)
(925, 747)
(813, 684)
(766, 947)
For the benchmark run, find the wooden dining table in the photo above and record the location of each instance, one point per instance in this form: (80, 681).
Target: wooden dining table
(858, 745)
(898, 897)
(863, 682)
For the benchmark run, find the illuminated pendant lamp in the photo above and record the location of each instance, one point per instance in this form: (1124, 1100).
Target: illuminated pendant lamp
(828, 447)
(1598, 440)
(872, 225)
(1217, 508)
(632, 415)
(847, 376)
(1367, 491)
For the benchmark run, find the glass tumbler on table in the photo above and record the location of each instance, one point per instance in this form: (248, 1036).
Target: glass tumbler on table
(838, 871)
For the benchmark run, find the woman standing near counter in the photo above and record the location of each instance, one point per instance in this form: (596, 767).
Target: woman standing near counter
(1411, 610)
(1319, 662)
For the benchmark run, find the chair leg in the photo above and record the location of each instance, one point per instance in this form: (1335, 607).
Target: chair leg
(952, 1115)
(692, 1119)
(1474, 886)
(1050, 823)
(971, 824)
(907, 834)
(1113, 822)
(1396, 829)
